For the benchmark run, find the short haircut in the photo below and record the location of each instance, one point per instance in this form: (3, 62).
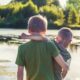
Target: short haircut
(65, 33)
(37, 23)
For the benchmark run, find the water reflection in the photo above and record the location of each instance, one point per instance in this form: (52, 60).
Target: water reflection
(74, 47)
(7, 59)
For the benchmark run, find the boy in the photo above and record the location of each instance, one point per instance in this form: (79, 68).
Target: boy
(36, 55)
(63, 39)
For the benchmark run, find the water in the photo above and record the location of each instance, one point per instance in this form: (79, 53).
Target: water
(8, 68)
(74, 73)
(7, 62)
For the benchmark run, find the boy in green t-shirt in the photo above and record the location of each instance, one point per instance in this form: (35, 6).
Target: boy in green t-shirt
(36, 55)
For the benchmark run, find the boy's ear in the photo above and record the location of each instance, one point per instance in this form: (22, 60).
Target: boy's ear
(58, 38)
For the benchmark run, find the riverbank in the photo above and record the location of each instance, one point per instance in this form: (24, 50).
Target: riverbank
(15, 39)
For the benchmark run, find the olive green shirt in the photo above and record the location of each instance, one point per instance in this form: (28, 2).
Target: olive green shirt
(36, 57)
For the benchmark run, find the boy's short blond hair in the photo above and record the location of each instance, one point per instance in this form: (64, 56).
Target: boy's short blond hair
(37, 23)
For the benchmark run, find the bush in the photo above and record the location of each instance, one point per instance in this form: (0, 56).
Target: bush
(49, 11)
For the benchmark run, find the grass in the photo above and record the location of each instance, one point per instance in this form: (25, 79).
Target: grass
(4, 72)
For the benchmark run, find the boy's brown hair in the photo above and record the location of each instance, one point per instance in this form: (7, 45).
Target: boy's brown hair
(37, 23)
(65, 33)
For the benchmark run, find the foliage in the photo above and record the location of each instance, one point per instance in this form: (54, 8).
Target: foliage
(17, 13)
(29, 9)
(53, 13)
(75, 3)
(73, 16)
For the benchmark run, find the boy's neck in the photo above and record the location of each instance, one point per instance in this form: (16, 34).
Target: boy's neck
(37, 36)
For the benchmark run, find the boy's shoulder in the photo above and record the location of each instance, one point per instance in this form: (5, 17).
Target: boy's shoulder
(48, 42)
(24, 44)
(51, 42)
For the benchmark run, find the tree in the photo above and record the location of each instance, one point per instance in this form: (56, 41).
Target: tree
(73, 16)
(75, 3)
(60, 17)
(29, 9)
(54, 14)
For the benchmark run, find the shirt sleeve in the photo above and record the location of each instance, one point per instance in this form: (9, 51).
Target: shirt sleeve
(53, 49)
(20, 57)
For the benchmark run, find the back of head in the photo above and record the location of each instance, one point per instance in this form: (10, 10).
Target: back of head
(65, 33)
(64, 37)
(37, 23)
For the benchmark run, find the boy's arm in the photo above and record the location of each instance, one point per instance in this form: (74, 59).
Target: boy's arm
(62, 63)
(68, 63)
(58, 58)
(35, 36)
(20, 73)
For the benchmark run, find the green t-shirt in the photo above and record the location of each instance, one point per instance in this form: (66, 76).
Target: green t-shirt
(36, 56)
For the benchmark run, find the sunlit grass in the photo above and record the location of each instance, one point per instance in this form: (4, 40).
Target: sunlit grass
(5, 72)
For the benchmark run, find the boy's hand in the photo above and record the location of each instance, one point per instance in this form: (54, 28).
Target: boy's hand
(24, 36)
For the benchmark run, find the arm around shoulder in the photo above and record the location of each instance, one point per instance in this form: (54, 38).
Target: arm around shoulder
(62, 63)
